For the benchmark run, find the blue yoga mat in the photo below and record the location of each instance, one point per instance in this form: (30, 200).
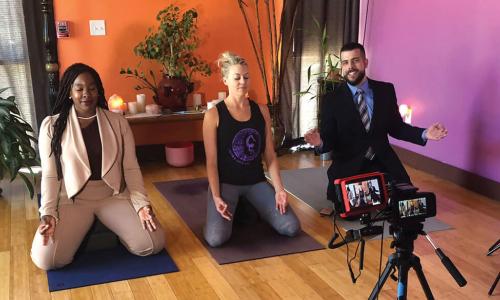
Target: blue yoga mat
(101, 266)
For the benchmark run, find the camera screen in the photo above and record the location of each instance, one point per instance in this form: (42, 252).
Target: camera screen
(364, 193)
(413, 207)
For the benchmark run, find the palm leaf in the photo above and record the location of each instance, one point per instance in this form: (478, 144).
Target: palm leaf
(29, 184)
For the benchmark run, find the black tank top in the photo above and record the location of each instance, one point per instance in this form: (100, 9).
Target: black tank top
(240, 146)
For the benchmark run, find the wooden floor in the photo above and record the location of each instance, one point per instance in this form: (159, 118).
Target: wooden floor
(313, 275)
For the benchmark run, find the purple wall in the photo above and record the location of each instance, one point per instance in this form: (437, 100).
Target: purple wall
(444, 60)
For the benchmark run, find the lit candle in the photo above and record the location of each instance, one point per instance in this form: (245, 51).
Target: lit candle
(133, 107)
(405, 111)
(141, 102)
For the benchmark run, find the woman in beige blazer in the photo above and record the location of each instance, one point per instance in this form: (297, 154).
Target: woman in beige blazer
(89, 169)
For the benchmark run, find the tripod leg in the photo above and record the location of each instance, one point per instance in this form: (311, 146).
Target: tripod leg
(494, 285)
(389, 266)
(415, 263)
(493, 248)
(403, 268)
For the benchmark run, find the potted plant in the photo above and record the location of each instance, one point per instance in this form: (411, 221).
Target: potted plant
(16, 150)
(323, 79)
(172, 45)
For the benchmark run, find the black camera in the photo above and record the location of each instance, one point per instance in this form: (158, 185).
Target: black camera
(400, 203)
(405, 208)
(408, 205)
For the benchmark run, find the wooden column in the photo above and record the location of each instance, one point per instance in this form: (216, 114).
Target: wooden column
(50, 44)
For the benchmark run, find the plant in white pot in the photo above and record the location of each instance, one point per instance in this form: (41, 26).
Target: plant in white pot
(16, 150)
(172, 45)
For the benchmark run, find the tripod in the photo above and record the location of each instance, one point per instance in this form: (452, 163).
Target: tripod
(404, 259)
(492, 249)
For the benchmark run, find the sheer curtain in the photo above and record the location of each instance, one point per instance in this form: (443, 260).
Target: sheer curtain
(14, 61)
(341, 19)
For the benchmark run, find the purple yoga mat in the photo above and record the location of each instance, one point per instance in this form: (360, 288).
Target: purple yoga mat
(259, 240)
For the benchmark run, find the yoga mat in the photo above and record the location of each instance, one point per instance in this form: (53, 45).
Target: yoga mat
(108, 265)
(310, 184)
(248, 242)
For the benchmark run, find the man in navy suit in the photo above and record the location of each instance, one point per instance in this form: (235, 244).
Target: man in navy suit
(357, 118)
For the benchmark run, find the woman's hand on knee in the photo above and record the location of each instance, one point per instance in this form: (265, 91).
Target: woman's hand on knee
(146, 215)
(222, 208)
(281, 201)
(47, 228)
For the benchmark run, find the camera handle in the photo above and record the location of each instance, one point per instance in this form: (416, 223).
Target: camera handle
(447, 262)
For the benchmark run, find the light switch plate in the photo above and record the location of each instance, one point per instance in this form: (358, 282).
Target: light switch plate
(97, 27)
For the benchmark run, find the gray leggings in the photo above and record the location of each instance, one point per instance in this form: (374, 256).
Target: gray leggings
(261, 195)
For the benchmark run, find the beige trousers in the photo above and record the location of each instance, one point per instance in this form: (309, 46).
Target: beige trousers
(76, 217)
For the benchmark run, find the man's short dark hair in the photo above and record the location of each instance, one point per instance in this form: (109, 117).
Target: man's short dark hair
(352, 46)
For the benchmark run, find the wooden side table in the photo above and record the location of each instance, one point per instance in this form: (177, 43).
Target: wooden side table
(163, 129)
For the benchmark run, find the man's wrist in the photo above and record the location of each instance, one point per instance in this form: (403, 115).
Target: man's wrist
(424, 135)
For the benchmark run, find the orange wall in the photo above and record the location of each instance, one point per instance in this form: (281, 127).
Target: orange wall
(220, 28)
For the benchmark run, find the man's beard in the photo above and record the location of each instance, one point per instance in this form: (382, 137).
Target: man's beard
(357, 80)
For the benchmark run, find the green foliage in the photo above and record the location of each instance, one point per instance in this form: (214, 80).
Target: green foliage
(329, 73)
(173, 44)
(144, 82)
(16, 150)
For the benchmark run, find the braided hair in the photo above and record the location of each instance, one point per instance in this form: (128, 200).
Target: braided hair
(64, 103)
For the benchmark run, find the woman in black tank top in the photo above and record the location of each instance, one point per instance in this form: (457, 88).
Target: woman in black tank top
(237, 135)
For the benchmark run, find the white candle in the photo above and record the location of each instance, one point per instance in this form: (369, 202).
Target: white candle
(222, 95)
(141, 102)
(196, 100)
(152, 109)
(132, 107)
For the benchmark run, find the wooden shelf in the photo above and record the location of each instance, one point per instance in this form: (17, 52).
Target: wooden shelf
(167, 128)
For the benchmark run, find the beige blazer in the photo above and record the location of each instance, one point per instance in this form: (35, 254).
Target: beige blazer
(120, 170)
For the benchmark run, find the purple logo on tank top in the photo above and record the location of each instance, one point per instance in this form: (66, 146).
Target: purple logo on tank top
(246, 146)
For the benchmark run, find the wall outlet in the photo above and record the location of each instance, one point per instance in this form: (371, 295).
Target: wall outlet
(97, 27)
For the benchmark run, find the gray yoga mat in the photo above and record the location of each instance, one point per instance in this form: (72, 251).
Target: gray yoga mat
(309, 185)
(248, 242)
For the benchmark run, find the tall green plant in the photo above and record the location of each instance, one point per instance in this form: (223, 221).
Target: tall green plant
(263, 30)
(16, 150)
(328, 73)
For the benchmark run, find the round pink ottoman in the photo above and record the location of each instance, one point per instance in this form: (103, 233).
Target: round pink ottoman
(179, 154)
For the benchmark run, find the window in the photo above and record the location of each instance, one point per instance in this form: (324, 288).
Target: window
(14, 60)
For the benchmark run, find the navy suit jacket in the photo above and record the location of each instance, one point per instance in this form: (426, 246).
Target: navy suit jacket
(343, 133)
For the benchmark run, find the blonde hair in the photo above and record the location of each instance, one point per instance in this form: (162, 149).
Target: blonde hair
(228, 59)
